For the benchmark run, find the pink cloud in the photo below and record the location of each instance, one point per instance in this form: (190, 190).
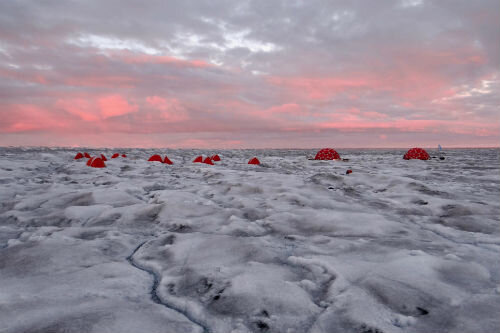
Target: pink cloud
(81, 107)
(420, 125)
(24, 76)
(374, 115)
(29, 117)
(319, 87)
(286, 109)
(133, 58)
(171, 109)
(104, 81)
(115, 105)
(96, 108)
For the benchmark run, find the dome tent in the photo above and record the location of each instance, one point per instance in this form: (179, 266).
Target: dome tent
(167, 160)
(115, 155)
(97, 163)
(103, 157)
(416, 153)
(78, 156)
(199, 159)
(254, 160)
(208, 160)
(216, 158)
(327, 154)
(87, 155)
(155, 158)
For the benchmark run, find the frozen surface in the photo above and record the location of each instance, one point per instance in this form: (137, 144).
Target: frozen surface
(292, 245)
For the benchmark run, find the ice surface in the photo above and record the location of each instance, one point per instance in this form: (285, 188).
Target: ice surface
(291, 245)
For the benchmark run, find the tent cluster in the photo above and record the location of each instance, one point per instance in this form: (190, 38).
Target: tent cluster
(96, 161)
(207, 160)
(157, 158)
(323, 154)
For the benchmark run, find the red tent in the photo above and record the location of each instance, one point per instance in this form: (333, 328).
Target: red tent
(416, 153)
(155, 158)
(208, 160)
(78, 156)
(123, 155)
(115, 155)
(254, 160)
(327, 154)
(97, 163)
(103, 157)
(199, 159)
(89, 162)
(86, 155)
(216, 158)
(167, 160)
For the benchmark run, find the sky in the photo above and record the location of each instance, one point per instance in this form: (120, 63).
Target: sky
(250, 74)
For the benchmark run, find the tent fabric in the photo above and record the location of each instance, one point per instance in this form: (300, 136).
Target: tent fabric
(89, 162)
(103, 157)
(115, 155)
(155, 158)
(327, 154)
(97, 163)
(208, 160)
(416, 153)
(167, 160)
(216, 158)
(199, 159)
(86, 155)
(78, 156)
(254, 160)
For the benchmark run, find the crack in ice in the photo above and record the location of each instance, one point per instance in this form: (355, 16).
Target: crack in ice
(154, 294)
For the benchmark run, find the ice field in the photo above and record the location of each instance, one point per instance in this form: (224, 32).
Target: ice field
(291, 245)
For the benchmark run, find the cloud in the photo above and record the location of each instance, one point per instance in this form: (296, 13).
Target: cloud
(96, 108)
(115, 105)
(237, 73)
(170, 109)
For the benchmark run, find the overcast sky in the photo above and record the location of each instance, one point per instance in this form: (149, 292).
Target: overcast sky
(250, 74)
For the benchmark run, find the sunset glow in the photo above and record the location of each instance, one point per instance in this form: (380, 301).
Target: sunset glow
(253, 75)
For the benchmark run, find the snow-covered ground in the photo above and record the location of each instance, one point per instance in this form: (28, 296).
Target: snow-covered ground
(292, 245)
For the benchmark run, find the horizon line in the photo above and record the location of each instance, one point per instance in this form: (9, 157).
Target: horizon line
(247, 148)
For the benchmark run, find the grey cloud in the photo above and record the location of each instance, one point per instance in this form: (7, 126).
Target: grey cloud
(427, 49)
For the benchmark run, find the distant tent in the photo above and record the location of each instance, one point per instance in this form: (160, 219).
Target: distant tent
(78, 156)
(208, 160)
(216, 158)
(155, 158)
(123, 155)
(167, 160)
(86, 155)
(103, 157)
(97, 163)
(115, 155)
(416, 153)
(327, 154)
(254, 160)
(199, 159)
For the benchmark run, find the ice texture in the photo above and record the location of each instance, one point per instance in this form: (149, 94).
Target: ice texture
(290, 245)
